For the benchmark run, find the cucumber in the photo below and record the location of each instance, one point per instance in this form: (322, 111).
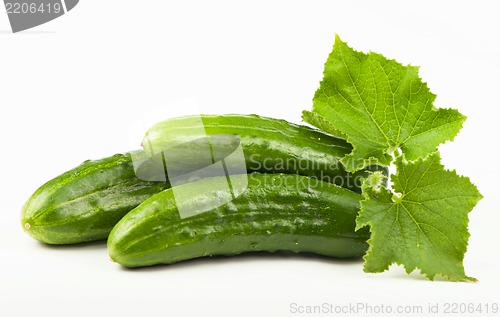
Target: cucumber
(260, 212)
(190, 143)
(85, 203)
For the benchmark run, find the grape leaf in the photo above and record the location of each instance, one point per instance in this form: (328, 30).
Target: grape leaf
(380, 106)
(424, 226)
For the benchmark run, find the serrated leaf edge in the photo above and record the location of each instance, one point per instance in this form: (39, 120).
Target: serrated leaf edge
(369, 223)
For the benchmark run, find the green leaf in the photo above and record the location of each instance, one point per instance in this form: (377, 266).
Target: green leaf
(381, 106)
(424, 226)
(321, 123)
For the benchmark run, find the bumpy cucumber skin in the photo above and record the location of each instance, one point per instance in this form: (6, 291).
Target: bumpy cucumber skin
(269, 145)
(277, 212)
(84, 204)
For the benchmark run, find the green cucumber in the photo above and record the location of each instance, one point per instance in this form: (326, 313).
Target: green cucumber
(260, 212)
(85, 203)
(269, 146)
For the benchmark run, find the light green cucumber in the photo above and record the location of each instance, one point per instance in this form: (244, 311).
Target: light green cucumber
(268, 145)
(84, 204)
(258, 212)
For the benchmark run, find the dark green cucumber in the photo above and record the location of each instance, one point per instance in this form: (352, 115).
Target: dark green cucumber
(269, 146)
(276, 212)
(85, 203)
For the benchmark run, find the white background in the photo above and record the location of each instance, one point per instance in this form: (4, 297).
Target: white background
(74, 89)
